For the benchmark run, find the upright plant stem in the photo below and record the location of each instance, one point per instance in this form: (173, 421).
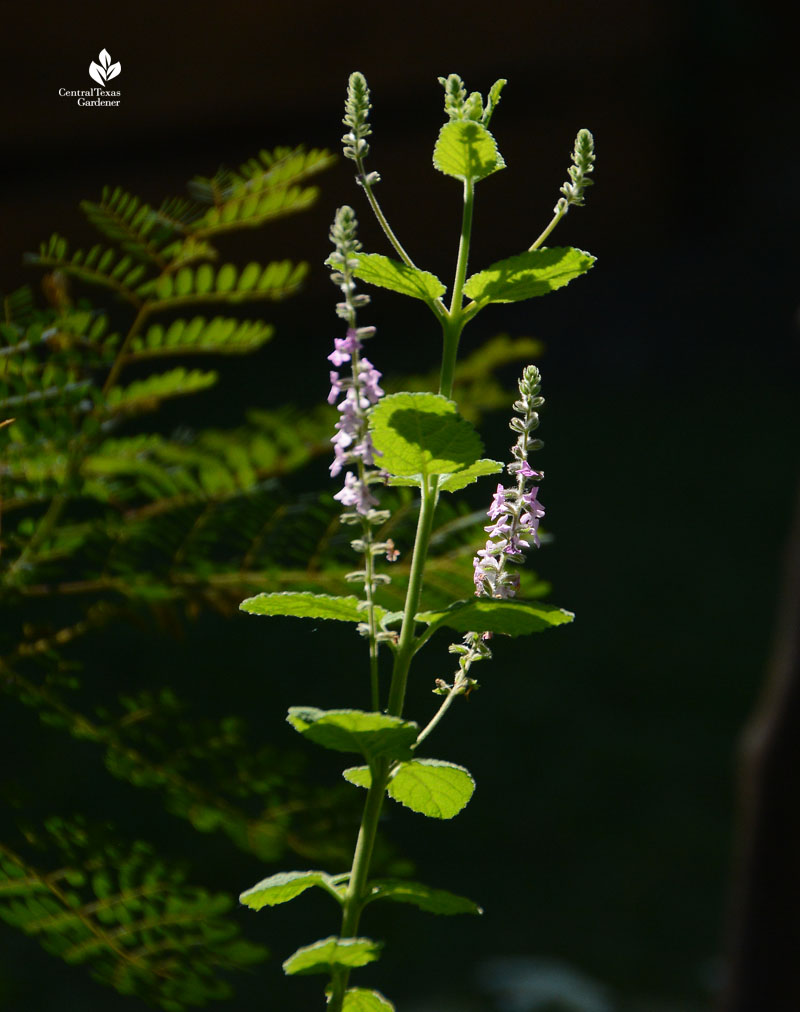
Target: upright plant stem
(454, 324)
(407, 642)
(359, 872)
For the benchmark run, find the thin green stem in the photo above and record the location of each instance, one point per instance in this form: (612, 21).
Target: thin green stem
(407, 641)
(456, 690)
(119, 361)
(454, 324)
(359, 872)
(376, 210)
(369, 597)
(557, 216)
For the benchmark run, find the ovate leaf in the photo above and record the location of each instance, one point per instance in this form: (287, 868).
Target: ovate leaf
(304, 604)
(358, 999)
(377, 269)
(527, 275)
(511, 618)
(432, 787)
(428, 786)
(466, 150)
(374, 735)
(434, 901)
(323, 956)
(421, 435)
(282, 887)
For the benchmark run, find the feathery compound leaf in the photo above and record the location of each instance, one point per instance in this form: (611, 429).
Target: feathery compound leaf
(98, 266)
(127, 916)
(511, 618)
(323, 956)
(276, 281)
(429, 786)
(220, 336)
(308, 605)
(421, 435)
(466, 150)
(123, 218)
(527, 275)
(359, 999)
(374, 735)
(384, 272)
(145, 395)
(283, 887)
(434, 901)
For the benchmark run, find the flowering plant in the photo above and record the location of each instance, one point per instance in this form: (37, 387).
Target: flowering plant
(419, 440)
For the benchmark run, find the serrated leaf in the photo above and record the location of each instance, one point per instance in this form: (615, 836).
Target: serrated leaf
(359, 999)
(304, 604)
(434, 901)
(374, 735)
(358, 775)
(384, 272)
(432, 787)
(528, 275)
(324, 955)
(428, 786)
(282, 887)
(466, 150)
(511, 618)
(420, 435)
(459, 480)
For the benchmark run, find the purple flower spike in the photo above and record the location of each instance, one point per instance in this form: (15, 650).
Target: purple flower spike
(515, 511)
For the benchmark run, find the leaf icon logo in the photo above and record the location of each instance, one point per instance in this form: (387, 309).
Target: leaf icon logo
(105, 70)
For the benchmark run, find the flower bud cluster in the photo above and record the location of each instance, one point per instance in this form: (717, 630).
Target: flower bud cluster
(359, 388)
(515, 512)
(356, 117)
(582, 165)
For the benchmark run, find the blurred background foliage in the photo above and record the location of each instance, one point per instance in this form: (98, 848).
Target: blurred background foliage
(670, 374)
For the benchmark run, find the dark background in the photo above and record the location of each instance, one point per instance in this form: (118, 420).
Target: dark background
(602, 831)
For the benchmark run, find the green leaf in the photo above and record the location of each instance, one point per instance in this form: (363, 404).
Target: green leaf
(372, 734)
(420, 435)
(359, 999)
(220, 335)
(282, 887)
(432, 787)
(428, 786)
(358, 775)
(527, 275)
(466, 150)
(323, 956)
(511, 618)
(459, 480)
(434, 901)
(304, 604)
(384, 272)
(145, 395)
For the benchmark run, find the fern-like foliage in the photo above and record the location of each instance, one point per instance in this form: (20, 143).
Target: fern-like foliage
(103, 523)
(126, 913)
(87, 506)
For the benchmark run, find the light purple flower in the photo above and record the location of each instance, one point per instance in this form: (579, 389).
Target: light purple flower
(356, 493)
